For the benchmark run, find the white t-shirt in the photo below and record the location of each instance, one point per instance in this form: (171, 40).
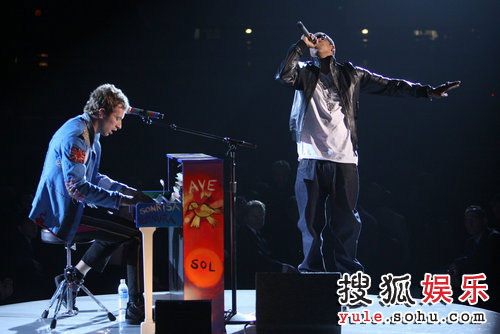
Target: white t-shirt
(325, 135)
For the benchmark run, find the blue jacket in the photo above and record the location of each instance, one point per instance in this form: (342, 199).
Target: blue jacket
(70, 179)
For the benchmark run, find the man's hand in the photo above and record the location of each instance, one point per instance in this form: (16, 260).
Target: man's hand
(129, 191)
(143, 198)
(442, 90)
(136, 196)
(308, 42)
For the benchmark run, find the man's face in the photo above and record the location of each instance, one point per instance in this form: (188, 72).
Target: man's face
(323, 44)
(473, 224)
(255, 217)
(112, 122)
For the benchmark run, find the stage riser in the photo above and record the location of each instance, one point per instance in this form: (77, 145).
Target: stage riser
(297, 303)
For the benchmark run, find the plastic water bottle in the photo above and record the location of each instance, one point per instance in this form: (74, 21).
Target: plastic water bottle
(122, 299)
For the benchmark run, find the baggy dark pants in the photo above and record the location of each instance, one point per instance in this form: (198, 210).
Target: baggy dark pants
(112, 231)
(327, 193)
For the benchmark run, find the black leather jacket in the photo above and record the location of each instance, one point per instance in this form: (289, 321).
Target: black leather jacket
(349, 81)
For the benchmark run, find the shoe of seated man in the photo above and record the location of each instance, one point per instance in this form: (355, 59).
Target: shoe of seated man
(135, 313)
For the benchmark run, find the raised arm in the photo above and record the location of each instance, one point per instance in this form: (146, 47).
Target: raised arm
(289, 71)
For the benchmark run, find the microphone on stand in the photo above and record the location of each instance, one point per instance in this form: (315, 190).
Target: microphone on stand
(145, 115)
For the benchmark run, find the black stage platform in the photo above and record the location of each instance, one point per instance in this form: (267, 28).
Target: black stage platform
(24, 318)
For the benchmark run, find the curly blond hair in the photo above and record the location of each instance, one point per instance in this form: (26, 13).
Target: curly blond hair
(105, 96)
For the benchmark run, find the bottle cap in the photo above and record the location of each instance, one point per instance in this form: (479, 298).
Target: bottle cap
(122, 281)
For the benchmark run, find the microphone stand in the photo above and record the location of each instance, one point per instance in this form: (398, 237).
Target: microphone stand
(232, 317)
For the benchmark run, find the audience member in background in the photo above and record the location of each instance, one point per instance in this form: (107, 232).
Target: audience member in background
(393, 230)
(22, 277)
(370, 246)
(481, 255)
(282, 180)
(495, 211)
(284, 237)
(419, 206)
(7, 272)
(253, 251)
(6, 289)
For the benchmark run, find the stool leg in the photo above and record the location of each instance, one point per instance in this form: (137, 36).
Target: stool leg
(70, 309)
(53, 323)
(72, 283)
(69, 297)
(56, 294)
(111, 317)
(67, 285)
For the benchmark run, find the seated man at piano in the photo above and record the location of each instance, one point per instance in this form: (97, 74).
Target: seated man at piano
(71, 188)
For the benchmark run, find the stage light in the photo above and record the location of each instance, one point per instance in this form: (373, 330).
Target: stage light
(433, 34)
(248, 31)
(364, 31)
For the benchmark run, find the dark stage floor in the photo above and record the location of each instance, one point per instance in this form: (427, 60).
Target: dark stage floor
(24, 318)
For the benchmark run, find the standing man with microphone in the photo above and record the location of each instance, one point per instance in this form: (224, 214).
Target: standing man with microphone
(323, 123)
(71, 188)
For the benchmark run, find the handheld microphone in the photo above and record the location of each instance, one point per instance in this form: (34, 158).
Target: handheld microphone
(306, 32)
(145, 114)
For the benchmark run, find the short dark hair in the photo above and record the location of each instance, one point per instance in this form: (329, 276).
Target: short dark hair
(476, 210)
(105, 96)
(256, 204)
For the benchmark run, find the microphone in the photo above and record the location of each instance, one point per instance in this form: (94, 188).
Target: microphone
(145, 114)
(306, 32)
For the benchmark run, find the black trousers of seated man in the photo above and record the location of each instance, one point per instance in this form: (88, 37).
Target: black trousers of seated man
(113, 231)
(327, 193)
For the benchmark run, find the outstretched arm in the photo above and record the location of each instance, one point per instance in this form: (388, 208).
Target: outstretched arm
(373, 83)
(107, 183)
(138, 196)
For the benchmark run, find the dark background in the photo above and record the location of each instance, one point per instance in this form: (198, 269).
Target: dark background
(195, 63)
